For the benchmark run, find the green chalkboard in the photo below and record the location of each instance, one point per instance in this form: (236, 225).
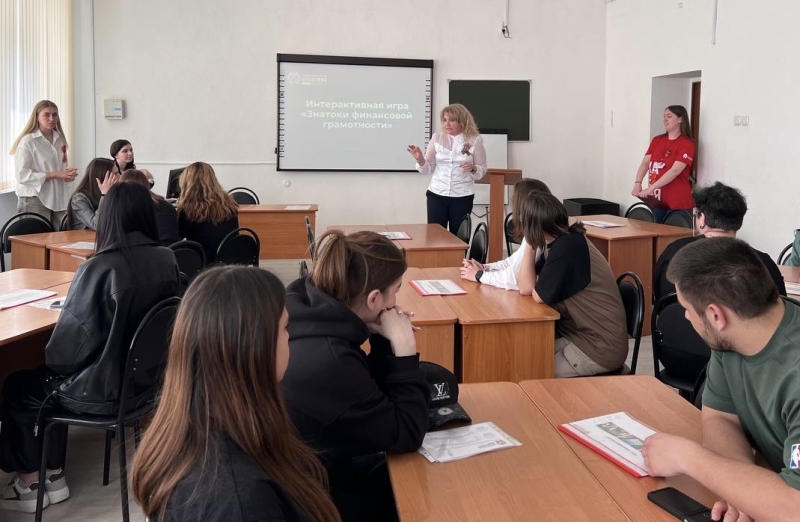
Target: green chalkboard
(497, 104)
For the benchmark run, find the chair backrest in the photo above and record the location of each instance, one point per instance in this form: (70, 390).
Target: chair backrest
(147, 358)
(63, 225)
(676, 345)
(509, 232)
(240, 247)
(20, 225)
(699, 388)
(310, 237)
(783, 257)
(244, 196)
(640, 211)
(631, 290)
(480, 244)
(303, 268)
(465, 229)
(679, 218)
(190, 256)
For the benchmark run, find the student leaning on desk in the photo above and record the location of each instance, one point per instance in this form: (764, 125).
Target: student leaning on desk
(504, 273)
(752, 395)
(573, 277)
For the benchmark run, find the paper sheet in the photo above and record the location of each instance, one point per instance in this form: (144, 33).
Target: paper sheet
(618, 433)
(55, 304)
(81, 245)
(460, 443)
(395, 235)
(602, 224)
(297, 207)
(437, 287)
(22, 296)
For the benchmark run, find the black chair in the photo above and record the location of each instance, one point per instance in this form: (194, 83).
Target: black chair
(240, 247)
(310, 237)
(677, 347)
(783, 257)
(508, 230)
(20, 225)
(640, 212)
(190, 256)
(244, 196)
(679, 218)
(138, 395)
(480, 244)
(63, 225)
(699, 388)
(465, 229)
(632, 294)
(303, 268)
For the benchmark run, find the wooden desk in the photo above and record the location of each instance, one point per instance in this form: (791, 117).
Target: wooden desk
(791, 274)
(645, 398)
(540, 480)
(664, 234)
(436, 338)
(30, 251)
(430, 246)
(282, 231)
(501, 335)
(66, 259)
(25, 330)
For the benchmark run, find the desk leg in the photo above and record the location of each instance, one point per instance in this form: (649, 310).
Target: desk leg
(506, 351)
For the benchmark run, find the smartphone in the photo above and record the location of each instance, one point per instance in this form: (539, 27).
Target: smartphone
(680, 505)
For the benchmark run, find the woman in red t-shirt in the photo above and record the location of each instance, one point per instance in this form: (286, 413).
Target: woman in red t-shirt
(668, 163)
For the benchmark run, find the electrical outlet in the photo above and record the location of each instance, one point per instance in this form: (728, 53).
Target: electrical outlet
(737, 120)
(745, 121)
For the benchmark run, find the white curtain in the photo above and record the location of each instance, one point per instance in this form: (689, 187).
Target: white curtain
(35, 64)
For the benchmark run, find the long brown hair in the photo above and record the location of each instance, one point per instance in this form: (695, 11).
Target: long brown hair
(221, 378)
(202, 197)
(521, 190)
(96, 169)
(33, 123)
(137, 176)
(349, 267)
(681, 112)
(542, 213)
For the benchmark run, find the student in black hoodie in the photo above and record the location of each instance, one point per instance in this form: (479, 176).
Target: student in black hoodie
(349, 405)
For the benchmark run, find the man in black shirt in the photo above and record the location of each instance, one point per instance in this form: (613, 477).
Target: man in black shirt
(719, 211)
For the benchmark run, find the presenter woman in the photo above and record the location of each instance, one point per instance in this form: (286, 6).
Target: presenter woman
(668, 163)
(456, 158)
(40, 161)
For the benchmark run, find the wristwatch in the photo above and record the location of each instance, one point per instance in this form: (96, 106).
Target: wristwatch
(478, 275)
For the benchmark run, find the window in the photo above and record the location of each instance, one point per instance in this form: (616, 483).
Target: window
(35, 64)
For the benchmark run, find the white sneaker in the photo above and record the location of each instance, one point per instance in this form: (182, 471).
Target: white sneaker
(56, 486)
(17, 498)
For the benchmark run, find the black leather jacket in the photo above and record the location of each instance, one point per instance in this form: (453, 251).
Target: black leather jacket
(107, 300)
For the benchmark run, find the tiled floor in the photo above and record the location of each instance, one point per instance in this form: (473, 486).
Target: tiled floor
(90, 501)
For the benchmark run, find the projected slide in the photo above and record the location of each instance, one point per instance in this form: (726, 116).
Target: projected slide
(351, 114)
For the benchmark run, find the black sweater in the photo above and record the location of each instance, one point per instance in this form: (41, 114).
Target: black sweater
(343, 402)
(231, 488)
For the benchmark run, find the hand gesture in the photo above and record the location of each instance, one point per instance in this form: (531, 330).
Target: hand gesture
(468, 271)
(471, 262)
(468, 167)
(646, 192)
(395, 325)
(67, 174)
(722, 508)
(416, 152)
(637, 187)
(108, 181)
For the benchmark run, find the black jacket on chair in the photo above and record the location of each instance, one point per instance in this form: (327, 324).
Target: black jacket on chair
(107, 300)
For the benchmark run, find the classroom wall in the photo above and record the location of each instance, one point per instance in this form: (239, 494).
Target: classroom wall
(199, 82)
(750, 70)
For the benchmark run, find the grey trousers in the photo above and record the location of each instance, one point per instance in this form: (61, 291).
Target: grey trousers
(33, 204)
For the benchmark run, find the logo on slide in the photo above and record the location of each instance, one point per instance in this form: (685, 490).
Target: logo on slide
(794, 459)
(293, 77)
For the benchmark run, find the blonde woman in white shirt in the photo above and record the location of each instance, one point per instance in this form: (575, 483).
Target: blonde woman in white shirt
(456, 158)
(40, 162)
(504, 273)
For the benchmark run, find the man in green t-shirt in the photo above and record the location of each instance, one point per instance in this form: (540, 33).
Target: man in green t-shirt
(752, 395)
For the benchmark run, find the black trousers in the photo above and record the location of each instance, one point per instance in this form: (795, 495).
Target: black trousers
(444, 209)
(26, 393)
(361, 489)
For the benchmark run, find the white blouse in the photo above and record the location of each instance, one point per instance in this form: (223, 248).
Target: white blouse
(442, 158)
(34, 157)
(504, 273)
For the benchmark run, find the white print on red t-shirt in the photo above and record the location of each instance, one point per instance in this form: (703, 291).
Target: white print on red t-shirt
(657, 194)
(656, 166)
(686, 157)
